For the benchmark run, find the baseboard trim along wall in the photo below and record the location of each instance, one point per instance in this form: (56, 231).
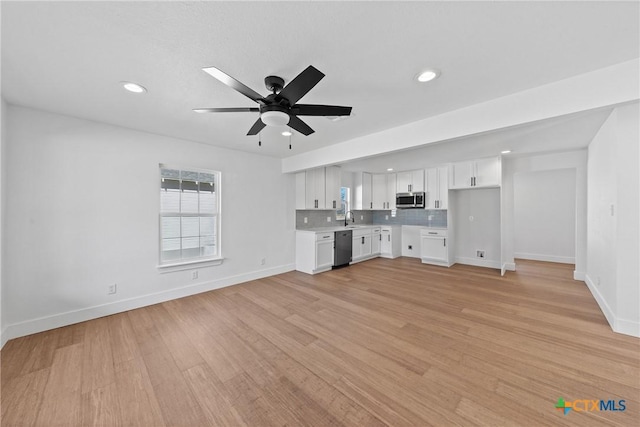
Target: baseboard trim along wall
(478, 262)
(548, 258)
(621, 326)
(41, 324)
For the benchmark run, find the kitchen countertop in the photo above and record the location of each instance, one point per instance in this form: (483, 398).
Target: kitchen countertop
(355, 227)
(338, 228)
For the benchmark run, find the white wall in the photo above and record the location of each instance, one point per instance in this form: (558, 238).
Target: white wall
(628, 213)
(544, 208)
(613, 216)
(476, 216)
(82, 212)
(602, 195)
(512, 166)
(3, 139)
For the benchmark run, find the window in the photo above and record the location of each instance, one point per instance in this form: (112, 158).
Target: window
(189, 215)
(344, 205)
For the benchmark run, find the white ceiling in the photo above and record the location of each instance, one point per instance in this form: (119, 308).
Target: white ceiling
(69, 57)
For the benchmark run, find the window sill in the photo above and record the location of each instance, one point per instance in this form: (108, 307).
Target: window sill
(189, 265)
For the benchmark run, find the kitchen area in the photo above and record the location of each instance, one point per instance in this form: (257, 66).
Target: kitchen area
(442, 215)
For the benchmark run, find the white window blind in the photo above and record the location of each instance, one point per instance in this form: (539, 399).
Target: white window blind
(189, 215)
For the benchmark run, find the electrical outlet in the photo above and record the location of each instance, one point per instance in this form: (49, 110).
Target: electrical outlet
(480, 254)
(306, 220)
(194, 274)
(361, 217)
(410, 247)
(263, 261)
(328, 219)
(386, 217)
(112, 289)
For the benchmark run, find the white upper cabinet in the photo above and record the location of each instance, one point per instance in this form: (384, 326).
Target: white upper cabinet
(488, 172)
(363, 195)
(475, 173)
(333, 181)
(314, 189)
(318, 188)
(437, 184)
(391, 190)
(383, 191)
(410, 181)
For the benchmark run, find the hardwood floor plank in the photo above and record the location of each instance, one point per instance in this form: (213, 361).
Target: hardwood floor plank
(22, 397)
(212, 397)
(62, 403)
(97, 360)
(136, 396)
(101, 407)
(383, 342)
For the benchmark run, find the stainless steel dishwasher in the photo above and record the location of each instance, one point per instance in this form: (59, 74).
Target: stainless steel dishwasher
(342, 248)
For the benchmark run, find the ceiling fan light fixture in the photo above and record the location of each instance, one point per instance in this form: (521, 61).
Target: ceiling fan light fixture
(427, 75)
(133, 87)
(274, 118)
(286, 133)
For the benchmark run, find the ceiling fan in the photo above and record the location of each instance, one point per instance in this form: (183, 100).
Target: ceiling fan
(278, 108)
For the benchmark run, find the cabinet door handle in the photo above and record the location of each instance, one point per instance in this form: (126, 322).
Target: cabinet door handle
(371, 207)
(363, 240)
(410, 188)
(380, 238)
(334, 204)
(389, 238)
(444, 242)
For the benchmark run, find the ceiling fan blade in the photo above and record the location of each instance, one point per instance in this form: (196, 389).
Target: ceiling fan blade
(234, 84)
(300, 85)
(226, 110)
(299, 125)
(320, 110)
(257, 127)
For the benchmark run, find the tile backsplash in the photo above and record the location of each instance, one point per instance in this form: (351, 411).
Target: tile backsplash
(318, 218)
(426, 217)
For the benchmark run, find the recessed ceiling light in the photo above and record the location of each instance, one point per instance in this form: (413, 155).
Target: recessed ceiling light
(133, 87)
(505, 151)
(389, 169)
(427, 75)
(286, 133)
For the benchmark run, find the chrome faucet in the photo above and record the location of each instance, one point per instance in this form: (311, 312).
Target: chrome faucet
(346, 217)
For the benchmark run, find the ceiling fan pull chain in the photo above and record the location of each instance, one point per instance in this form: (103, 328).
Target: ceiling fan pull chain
(259, 139)
(290, 133)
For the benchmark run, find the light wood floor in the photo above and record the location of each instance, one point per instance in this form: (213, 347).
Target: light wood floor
(390, 342)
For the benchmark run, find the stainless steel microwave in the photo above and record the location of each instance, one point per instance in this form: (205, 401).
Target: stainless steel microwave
(410, 200)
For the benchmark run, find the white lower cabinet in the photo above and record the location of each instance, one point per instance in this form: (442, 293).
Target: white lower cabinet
(376, 241)
(314, 251)
(362, 247)
(434, 247)
(391, 241)
(324, 254)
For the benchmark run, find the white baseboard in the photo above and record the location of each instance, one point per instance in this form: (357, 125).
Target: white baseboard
(579, 275)
(507, 266)
(33, 326)
(3, 337)
(627, 327)
(478, 262)
(548, 258)
(621, 326)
